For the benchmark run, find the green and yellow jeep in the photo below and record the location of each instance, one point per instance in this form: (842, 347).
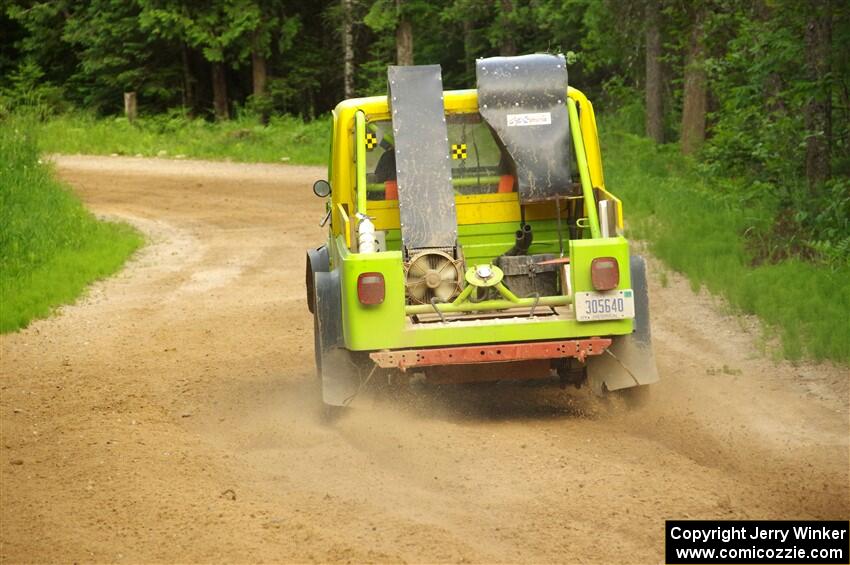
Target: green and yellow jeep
(472, 238)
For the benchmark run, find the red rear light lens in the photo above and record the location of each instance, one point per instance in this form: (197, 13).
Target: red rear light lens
(370, 288)
(605, 273)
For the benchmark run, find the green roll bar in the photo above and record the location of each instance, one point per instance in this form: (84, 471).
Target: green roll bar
(387, 136)
(584, 173)
(456, 182)
(360, 159)
(488, 305)
(509, 300)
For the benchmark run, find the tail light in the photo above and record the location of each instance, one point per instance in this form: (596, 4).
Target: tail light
(605, 273)
(370, 288)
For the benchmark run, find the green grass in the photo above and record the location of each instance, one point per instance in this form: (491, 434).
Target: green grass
(697, 227)
(50, 246)
(286, 139)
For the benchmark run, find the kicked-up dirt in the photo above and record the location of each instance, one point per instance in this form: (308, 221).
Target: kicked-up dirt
(172, 414)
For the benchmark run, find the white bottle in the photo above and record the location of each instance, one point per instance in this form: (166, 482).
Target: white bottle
(366, 241)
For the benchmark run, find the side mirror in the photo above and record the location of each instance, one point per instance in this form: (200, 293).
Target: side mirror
(322, 188)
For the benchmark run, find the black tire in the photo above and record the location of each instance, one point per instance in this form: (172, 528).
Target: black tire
(317, 262)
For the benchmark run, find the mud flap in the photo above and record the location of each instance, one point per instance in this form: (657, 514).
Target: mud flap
(336, 369)
(630, 360)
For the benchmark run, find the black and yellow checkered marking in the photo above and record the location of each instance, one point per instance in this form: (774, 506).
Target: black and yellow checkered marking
(458, 150)
(371, 141)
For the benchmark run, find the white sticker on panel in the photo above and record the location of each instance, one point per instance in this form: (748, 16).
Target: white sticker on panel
(538, 119)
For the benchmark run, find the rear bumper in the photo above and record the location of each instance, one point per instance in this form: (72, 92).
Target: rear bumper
(464, 355)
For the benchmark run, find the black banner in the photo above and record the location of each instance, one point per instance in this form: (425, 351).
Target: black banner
(757, 541)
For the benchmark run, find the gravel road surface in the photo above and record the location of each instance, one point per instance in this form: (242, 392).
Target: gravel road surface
(171, 414)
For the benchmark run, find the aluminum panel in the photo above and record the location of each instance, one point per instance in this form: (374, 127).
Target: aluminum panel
(426, 199)
(524, 100)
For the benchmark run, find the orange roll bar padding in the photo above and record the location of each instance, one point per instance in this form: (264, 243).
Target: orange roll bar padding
(390, 190)
(506, 183)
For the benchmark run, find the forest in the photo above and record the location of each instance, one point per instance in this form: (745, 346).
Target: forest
(756, 92)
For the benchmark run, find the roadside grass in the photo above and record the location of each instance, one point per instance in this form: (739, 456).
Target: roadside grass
(698, 227)
(286, 139)
(51, 247)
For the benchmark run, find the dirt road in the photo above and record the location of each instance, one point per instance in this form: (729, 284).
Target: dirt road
(171, 415)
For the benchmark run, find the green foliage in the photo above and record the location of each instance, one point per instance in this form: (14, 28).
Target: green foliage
(380, 20)
(162, 49)
(758, 132)
(117, 55)
(829, 235)
(28, 91)
(43, 25)
(382, 16)
(630, 112)
(612, 34)
(50, 246)
(699, 229)
(222, 30)
(754, 120)
(284, 139)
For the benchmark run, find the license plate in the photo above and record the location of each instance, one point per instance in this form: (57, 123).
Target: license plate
(611, 305)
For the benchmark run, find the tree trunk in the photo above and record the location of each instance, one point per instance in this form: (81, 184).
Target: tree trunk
(507, 48)
(189, 95)
(654, 99)
(403, 37)
(260, 76)
(219, 84)
(818, 110)
(130, 106)
(348, 49)
(259, 72)
(469, 58)
(696, 90)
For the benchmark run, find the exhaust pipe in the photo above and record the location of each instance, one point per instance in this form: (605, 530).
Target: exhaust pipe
(522, 243)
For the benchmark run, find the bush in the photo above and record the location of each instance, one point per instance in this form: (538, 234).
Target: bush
(29, 93)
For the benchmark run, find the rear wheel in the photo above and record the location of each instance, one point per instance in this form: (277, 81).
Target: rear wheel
(571, 372)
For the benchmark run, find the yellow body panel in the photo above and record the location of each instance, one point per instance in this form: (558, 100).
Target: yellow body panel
(471, 209)
(345, 222)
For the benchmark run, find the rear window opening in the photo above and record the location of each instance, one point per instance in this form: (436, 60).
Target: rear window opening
(479, 162)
